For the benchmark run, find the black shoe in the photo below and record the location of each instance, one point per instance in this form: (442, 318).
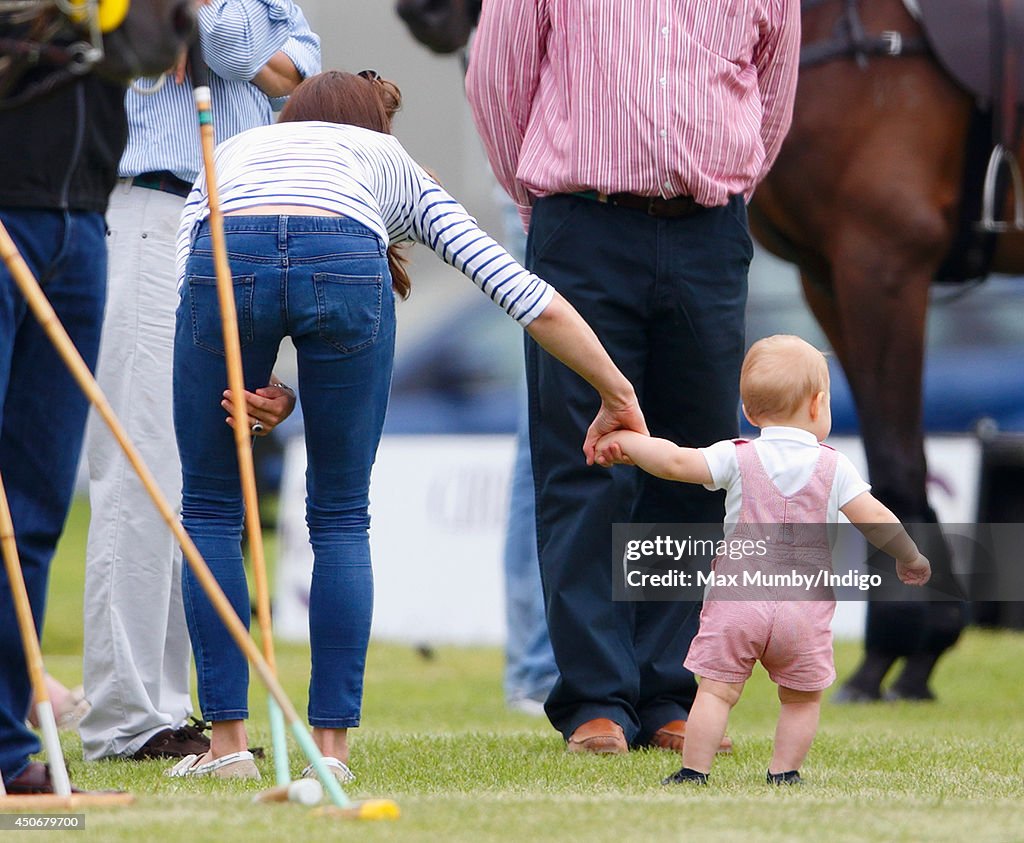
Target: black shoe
(686, 776)
(897, 694)
(788, 778)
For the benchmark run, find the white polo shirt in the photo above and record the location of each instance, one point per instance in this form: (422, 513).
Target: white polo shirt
(788, 455)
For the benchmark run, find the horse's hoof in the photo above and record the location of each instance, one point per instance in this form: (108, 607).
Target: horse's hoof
(848, 694)
(895, 694)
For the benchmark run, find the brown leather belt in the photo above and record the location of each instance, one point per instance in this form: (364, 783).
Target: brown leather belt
(163, 180)
(655, 206)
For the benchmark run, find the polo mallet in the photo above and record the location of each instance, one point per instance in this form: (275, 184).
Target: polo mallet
(44, 313)
(236, 383)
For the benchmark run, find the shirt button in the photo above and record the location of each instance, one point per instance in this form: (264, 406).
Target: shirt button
(663, 81)
(663, 133)
(668, 184)
(664, 31)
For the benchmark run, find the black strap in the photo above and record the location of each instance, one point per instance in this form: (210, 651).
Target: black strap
(971, 252)
(850, 40)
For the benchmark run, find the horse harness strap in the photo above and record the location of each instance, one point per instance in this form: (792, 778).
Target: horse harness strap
(849, 38)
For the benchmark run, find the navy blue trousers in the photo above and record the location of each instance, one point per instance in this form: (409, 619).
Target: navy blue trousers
(666, 297)
(42, 422)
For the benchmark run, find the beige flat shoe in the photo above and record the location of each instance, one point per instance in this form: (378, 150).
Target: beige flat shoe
(75, 708)
(340, 770)
(237, 765)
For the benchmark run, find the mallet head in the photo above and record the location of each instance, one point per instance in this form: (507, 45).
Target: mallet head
(369, 809)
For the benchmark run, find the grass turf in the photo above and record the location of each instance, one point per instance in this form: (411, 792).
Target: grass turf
(437, 739)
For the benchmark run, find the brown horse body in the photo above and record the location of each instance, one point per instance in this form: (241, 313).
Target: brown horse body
(864, 199)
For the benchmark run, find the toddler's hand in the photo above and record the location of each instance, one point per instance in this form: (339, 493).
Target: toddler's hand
(916, 572)
(608, 451)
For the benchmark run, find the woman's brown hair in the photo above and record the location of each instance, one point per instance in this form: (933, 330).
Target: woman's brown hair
(365, 100)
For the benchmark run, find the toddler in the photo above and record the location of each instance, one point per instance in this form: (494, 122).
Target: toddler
(784, 477)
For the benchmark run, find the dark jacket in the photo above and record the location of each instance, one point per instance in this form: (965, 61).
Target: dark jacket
(61, 150)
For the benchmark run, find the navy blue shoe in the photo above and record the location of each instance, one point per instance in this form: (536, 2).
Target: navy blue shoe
(686, 776)
(791, 777)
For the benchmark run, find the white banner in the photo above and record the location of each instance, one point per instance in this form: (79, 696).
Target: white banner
(438, 506)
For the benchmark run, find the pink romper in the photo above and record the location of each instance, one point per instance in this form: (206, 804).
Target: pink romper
(791, 638)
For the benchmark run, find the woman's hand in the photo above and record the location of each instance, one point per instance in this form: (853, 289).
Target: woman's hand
(625, 417)
(267, 407)
(561, 331)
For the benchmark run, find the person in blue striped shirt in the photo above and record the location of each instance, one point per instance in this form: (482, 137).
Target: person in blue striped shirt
(136, 662)
(314, 207)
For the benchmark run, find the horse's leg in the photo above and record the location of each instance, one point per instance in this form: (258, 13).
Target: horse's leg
(865, 683)
(881, 300)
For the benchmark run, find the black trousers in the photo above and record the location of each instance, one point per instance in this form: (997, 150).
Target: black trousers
(666, 297)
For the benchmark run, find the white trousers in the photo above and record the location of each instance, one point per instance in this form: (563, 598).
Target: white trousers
(136, 662)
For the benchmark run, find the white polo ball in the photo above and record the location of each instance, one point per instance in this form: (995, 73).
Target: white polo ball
(305, 792)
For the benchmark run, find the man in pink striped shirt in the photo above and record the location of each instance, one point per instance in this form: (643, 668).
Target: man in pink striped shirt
(630, 133)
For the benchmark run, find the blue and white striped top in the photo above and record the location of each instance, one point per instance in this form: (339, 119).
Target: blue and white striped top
(238, 38)
(365, 176)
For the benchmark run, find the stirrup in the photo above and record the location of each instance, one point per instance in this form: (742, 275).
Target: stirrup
(1001, 156)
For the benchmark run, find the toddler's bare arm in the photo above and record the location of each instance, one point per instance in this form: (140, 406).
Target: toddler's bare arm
(884, 530)
(655, 456)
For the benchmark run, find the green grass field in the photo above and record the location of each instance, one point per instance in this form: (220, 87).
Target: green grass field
(437, 738)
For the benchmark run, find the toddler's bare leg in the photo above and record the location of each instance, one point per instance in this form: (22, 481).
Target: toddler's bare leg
(707, 721)
(798, 723)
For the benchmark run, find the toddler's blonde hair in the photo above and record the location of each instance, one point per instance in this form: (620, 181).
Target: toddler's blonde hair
(779, 373)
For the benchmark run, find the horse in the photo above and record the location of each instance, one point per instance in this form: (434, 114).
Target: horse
(443, 26)
(864, 199)
(44, 43)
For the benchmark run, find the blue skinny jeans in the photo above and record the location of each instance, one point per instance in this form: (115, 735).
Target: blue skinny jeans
(323, 281)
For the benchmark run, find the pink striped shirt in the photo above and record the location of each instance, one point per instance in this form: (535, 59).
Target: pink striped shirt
(653, 97)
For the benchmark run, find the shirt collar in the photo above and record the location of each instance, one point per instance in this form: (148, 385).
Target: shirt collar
(796, 434)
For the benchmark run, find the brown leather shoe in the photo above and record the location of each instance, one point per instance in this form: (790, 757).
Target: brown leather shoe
(182, 742)
(35, 778)
(673, 734)
(175, 743)
(601, 737)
